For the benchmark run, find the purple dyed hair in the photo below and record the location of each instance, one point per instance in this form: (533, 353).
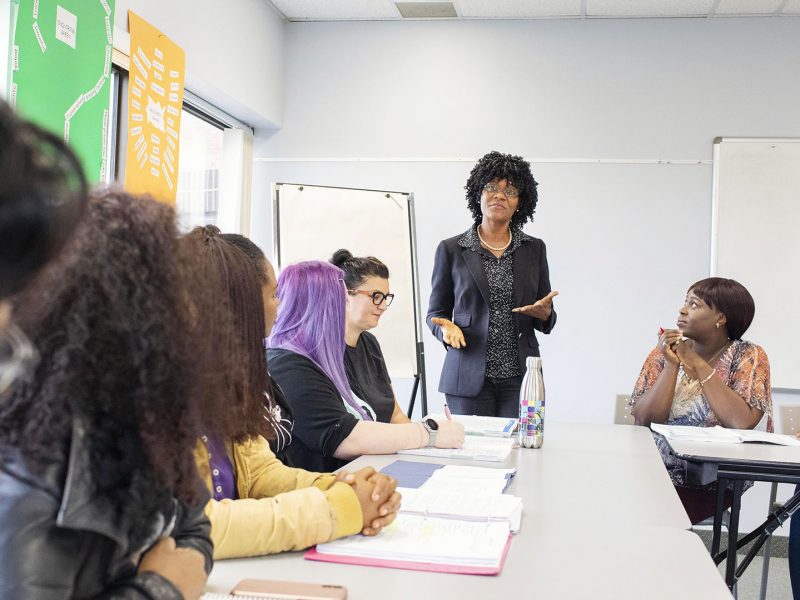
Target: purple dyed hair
(311, 321)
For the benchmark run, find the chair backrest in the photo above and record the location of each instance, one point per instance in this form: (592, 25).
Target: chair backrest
(790, 419)
(622, 412)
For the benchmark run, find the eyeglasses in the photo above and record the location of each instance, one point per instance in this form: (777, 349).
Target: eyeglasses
(377, 297)
(17, 356)
(493, 188)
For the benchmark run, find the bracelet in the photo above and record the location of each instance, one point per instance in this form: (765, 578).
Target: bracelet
(710, 375)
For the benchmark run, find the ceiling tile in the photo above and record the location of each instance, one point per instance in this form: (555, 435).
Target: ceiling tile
(747, 7)
(518, 9)
(648, 8)
(335, 10)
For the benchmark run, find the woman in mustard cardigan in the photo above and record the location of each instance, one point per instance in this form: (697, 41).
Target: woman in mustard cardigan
(259, 505)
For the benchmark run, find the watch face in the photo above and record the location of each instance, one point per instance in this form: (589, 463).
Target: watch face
(432, 424)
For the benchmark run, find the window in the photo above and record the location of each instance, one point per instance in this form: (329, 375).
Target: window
(198, 174)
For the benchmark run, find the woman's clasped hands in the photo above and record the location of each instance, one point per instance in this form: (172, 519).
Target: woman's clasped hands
(377, 496)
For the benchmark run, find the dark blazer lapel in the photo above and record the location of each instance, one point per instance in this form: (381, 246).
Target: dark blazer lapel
(475, 266)
(522, 272)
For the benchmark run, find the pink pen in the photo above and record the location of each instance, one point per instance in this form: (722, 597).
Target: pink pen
(447, 413)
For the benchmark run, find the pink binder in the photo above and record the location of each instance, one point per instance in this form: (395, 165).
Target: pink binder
(312, 554)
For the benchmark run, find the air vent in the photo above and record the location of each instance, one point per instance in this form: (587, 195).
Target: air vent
(426, 10)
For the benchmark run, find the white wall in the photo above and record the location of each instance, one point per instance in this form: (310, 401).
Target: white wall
(624, 240)
(234, 51)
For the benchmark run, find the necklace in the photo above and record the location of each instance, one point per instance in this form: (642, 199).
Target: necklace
(709, 361)
(501, 248)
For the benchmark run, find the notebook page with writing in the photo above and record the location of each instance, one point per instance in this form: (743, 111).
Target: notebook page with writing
(491, 426)
(475, 448)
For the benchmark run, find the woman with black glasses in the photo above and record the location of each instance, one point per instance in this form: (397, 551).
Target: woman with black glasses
(367, 282)
(491, 291)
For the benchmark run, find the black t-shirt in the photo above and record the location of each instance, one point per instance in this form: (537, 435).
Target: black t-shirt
(321, 422)
(368, 377)
(280, 414)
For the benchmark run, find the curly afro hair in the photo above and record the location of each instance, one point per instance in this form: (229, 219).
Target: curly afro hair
(517, 171)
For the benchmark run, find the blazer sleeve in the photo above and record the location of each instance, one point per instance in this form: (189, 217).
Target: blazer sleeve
(544, 289)
(442, 297)
(284, 508)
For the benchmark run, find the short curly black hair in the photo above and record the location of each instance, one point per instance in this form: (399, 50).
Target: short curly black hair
(517, 171)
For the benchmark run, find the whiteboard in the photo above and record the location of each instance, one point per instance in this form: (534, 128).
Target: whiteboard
(312, 222)
(754, 240)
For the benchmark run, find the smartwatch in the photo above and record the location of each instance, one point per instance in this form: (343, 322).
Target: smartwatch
(432, 427)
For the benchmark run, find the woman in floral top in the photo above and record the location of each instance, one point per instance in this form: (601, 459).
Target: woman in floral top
(703, 374)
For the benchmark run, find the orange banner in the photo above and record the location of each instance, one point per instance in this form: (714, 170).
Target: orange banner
(155, 98)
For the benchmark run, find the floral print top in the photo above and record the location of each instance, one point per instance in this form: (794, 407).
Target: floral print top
(743, 367)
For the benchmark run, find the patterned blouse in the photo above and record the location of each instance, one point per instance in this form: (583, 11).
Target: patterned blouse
(502, 352)
(743, 367)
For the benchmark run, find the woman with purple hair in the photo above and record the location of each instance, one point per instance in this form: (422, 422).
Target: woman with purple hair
(306, 357)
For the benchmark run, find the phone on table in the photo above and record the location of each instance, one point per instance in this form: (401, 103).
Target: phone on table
(288, 590)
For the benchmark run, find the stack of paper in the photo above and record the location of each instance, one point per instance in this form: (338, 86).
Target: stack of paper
(491, 426)
(474, 448)
(722, 435)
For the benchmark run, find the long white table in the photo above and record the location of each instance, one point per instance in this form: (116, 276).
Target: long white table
(601, 519)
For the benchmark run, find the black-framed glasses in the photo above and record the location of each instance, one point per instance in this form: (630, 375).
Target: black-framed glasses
(377, 297)
(493, 188)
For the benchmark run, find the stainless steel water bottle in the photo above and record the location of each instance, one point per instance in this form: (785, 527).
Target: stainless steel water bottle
(531, 405)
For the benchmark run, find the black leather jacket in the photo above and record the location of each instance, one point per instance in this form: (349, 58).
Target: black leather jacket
(61, 541)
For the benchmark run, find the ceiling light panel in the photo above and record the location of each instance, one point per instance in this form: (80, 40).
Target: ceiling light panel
(336, 10)
(518, 9)
(648, 8)
(748, 7)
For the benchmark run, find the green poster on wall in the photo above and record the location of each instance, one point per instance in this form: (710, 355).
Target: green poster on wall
(60, 63)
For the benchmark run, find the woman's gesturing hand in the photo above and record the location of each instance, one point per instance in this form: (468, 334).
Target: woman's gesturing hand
(451, 333)
(541, 309)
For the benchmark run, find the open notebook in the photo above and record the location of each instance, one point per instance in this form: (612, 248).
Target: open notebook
(422, 543)
(458, 521)
(722, 435)
(491, 426)
(474, 448)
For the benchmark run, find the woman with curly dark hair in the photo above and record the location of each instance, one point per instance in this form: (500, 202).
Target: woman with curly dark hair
(491, 291)
(99, 494)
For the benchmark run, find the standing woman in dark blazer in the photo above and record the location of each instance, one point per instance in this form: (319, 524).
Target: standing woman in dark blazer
(491, 291)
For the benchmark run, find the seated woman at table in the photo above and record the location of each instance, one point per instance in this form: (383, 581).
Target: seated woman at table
(703, 374)
(306, 356)
(367, 282)
(259, 505)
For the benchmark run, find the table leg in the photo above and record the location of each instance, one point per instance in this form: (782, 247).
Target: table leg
(718, 512)
(733, 531)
